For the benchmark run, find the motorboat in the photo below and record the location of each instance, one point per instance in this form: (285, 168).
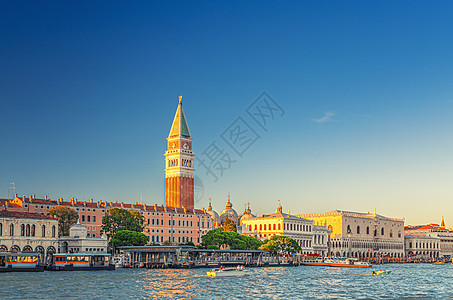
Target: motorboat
(224, 272)
(347, 262)
(337, 262)
(380, 272)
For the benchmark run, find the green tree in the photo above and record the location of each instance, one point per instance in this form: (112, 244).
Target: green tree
(167, 243)
(280, 244)
(229, 225)
(117, 219)
(66, 218)
(128, 238)
(218, 238)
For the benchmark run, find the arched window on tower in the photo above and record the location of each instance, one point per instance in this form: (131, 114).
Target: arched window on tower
(22, 230)
(367, 230)
(382, 231)
(11, 229)
(358, 229)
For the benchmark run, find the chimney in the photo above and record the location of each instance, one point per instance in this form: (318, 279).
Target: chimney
(23, 198)
(15, 195)
(34, 196)
(135, 203)
(45, 197)
(29, 198)
(91, 200)
(122, 204)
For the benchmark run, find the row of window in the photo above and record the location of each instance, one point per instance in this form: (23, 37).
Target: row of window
(318, 239)
(295, 227)
(160, 239)
(375, 233)
(88, 219)
(424, 245)
(173, 223)
(28, 230)
(365, 245)
(48, 207)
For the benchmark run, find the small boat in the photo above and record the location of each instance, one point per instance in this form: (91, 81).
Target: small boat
(224, 272)
(381, 272)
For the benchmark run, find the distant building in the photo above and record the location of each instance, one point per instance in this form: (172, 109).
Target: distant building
(25, 232)
(363, 235)
(422, 246)
(312, 240)
(431, 233)
(79, 241)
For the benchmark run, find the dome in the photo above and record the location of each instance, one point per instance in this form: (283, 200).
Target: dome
(229, 213)
(214, 215)
(78, 230)
(247, 214)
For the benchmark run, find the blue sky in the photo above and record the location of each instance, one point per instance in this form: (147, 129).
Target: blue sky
(88, 91)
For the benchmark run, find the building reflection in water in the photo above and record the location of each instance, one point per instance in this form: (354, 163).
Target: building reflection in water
(170, 284)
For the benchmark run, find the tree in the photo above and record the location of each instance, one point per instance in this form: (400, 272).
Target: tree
(128, 238)
(117, 219)
(229, 225)
(218, 238)
(280, 244)
(66, 218)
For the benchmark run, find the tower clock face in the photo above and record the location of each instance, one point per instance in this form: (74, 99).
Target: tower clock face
(186, 146)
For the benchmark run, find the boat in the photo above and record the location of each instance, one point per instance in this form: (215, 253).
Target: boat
(81, 261)
(20, 262)
(381, 272)
(224, 272)
(338, 262)
(348, 262)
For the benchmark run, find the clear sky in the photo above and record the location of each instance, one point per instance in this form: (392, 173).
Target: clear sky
(88, 91)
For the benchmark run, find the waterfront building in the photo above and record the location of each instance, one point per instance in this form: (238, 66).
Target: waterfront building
(25, 232)
(177, 222)
(421, 246)
(439, 232)
(179, 170)
(361, 235)
(320, 240)
(279, 223)
(79, 241)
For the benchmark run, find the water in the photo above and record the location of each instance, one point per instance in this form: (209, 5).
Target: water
(407, 281)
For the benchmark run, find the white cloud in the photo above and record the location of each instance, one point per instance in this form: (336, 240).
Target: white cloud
(328, 116)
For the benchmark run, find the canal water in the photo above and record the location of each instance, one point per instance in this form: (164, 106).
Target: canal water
(406, 281)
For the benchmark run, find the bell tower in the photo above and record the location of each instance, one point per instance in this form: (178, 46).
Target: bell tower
(179, 158)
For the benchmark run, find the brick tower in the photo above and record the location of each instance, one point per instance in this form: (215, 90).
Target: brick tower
(179, 171)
